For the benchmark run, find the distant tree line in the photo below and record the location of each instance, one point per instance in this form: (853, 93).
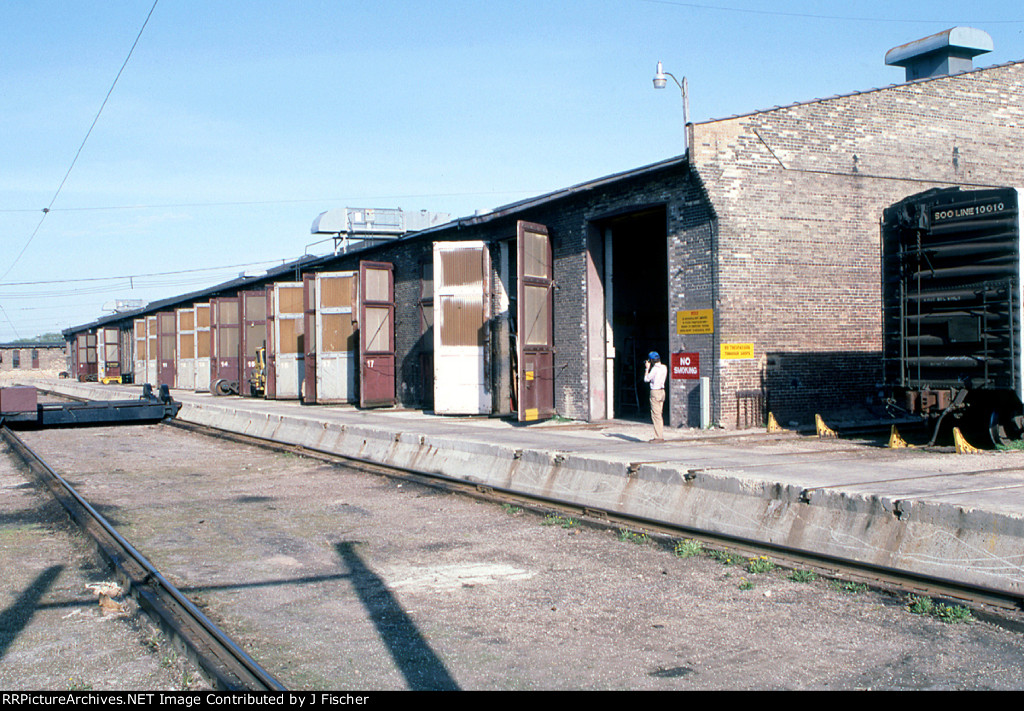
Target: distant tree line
(45, 338)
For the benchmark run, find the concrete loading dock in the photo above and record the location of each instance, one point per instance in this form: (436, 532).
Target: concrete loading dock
(936, 515)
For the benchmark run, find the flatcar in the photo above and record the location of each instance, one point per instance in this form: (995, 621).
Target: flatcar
(951, 293)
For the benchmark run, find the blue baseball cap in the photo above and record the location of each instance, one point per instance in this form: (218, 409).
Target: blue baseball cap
(653, 355)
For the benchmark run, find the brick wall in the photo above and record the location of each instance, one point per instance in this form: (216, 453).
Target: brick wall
(798, 192)
(52, 360)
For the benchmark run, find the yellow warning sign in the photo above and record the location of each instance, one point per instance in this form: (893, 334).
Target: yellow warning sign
(737, 351)
(689, 323)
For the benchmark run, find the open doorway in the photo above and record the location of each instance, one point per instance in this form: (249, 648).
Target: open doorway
(636, 304)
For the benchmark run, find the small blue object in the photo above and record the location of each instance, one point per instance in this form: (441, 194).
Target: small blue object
(653, 355)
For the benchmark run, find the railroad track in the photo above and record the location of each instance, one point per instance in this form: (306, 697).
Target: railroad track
(989, 605)
(224, 662)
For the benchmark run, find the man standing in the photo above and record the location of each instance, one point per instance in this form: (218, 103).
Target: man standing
(655, 373)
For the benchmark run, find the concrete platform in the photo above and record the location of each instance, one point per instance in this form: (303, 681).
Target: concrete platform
(952, 517)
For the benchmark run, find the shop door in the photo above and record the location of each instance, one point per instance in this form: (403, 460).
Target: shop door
(461, 272)
(151, 349)
(271, 392)
(140, 350)
(335, 347)
(186, 376)
(376, 334)
(226, 327)
(289, 342)
(109, 354)
(254, 335)
(535, 346)
(167, 348)
(204, 348)
(309, 299)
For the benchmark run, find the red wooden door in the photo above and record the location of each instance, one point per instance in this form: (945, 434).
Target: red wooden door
(167, 336)
(535, 317)
(271, 392)
(225, 324)
(253, 334)
(309, 316)
(376, 334)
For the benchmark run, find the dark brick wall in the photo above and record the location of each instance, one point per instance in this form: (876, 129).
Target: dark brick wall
(798, 192)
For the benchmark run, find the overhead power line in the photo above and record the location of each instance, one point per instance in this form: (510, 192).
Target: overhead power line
(74, 160)
(141, 276)
(286, 201)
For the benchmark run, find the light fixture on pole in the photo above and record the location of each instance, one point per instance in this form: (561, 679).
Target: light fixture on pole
(660, 82)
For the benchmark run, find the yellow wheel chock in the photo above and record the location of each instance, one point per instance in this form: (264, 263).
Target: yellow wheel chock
(897, 442)
(962, 447)
(823, 429)
(773, 425)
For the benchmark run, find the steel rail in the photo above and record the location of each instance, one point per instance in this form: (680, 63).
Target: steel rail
(980, 598)
(225, 663)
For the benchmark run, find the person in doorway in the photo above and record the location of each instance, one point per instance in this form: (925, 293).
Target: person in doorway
(655, 374)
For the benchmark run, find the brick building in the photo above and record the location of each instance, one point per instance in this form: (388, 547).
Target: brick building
(798, 193)
(756, 255)
(48, 359)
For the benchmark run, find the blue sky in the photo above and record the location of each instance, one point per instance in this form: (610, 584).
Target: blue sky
(234, 124)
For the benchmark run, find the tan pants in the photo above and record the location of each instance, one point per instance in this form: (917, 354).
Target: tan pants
(657, 404)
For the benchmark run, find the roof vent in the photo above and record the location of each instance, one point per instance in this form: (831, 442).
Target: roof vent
(944, 53)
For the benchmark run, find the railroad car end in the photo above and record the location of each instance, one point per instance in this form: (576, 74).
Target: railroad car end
(952, 295)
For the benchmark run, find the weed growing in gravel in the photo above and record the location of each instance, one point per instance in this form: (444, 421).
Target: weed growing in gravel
(688, 548)
(512, 510)
(849, 586)
(724, 557)
(76, 684)
(761, 564)
(639, 538)
(950, 614)
(563, 521)
(746, 584)
(803, 576)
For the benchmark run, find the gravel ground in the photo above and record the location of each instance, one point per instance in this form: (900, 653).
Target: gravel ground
(54, 635)
(335, 579)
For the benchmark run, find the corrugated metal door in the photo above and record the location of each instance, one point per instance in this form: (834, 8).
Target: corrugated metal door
(289, 342)
(335, 327)
(225, 323)
(535, 317)
(254, 334)
(461, 313)
(186, 375)
(376, 334)
(167, 366)
(204, 347)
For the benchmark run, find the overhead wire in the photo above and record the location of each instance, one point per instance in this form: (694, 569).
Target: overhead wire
(48, 208)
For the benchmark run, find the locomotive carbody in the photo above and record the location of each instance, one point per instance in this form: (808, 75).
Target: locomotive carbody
(951, 291)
